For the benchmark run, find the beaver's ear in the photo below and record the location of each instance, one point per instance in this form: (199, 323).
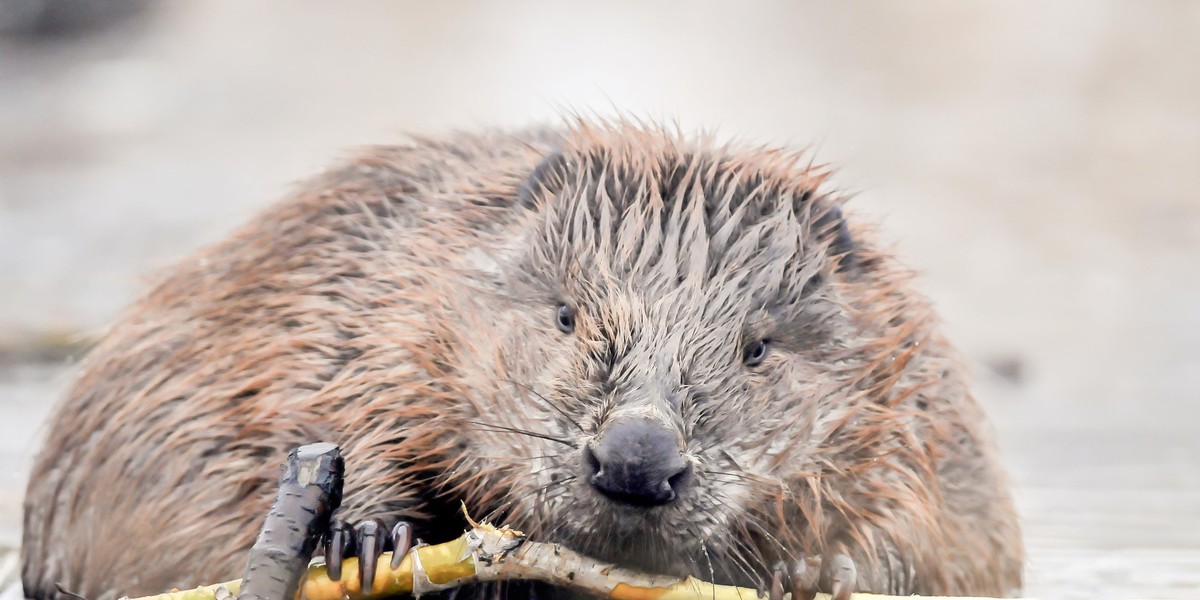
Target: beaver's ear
(547, 178)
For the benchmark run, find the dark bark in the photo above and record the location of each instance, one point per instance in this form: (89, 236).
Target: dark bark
(309, 493)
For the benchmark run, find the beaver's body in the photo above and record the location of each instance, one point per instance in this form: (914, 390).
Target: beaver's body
(404, 306)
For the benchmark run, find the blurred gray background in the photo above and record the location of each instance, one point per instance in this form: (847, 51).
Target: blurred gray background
(1038, 163)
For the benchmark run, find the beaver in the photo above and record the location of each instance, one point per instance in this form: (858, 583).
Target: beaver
(656, 348)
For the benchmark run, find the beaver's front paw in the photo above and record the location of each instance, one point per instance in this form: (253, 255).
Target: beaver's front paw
(808, 575)
(367, 541)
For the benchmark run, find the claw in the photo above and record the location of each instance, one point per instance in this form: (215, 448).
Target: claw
(779, 579)
(401, 543)
(806, 576)
(370, 545)
(339, 545)
(842, 577)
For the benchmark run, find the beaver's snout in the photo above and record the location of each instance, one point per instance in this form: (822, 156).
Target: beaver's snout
(638, 462)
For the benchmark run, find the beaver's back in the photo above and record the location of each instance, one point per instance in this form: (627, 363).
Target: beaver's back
(162, 459)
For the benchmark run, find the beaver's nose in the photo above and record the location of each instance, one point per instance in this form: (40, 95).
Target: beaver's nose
(637, 461)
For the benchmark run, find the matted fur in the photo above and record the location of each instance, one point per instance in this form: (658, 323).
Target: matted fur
(403, 307)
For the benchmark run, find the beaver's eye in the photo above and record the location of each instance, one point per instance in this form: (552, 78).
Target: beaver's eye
(565, 319)
(754, 353)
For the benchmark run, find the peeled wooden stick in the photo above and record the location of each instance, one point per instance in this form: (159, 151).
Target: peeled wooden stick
(488, 553)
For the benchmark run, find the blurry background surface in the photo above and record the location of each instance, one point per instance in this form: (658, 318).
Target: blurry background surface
(1038, 162)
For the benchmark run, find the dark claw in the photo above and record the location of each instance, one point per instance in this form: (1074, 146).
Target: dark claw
(370, 545)
(339, 545)
(401, 543)
(64, 591)
(842, 577)
(367, 541)
(806, 576)
(779, 580)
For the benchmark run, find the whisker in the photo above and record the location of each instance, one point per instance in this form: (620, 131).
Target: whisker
(733, 478)
(737, 557)
(712, 573)
(549, 403)
(519, 458)
(505, 429)
(511, 501)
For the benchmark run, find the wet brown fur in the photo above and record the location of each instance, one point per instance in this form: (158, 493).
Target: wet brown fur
(403, 307)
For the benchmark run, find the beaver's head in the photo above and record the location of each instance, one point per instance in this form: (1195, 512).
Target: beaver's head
(684, 360)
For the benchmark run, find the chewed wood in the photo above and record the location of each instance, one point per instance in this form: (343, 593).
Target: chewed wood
(488, 553)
